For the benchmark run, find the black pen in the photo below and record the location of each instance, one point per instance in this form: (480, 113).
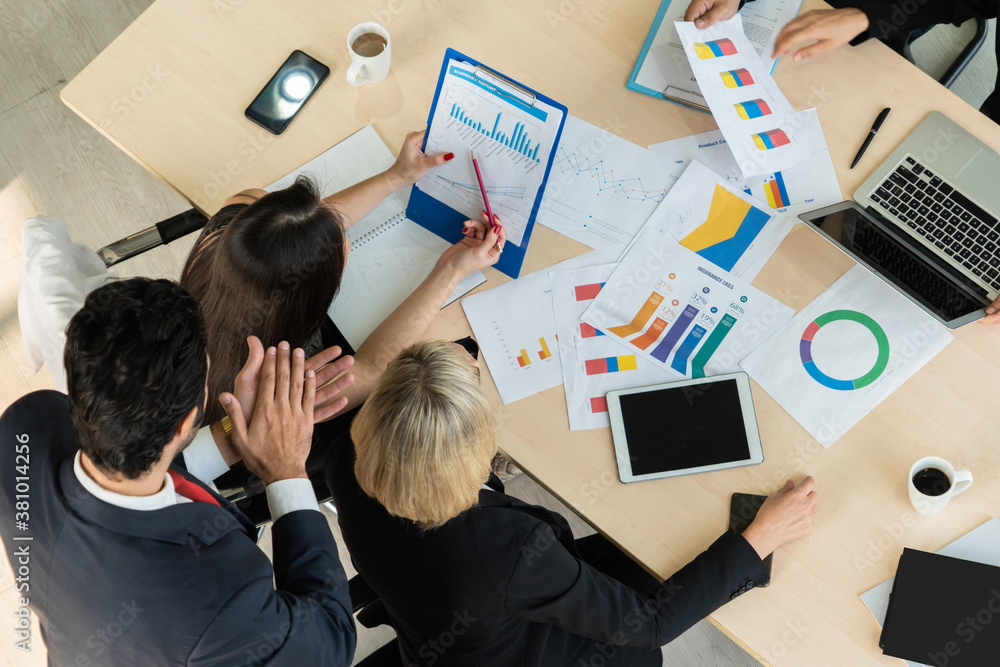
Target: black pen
(871, 135)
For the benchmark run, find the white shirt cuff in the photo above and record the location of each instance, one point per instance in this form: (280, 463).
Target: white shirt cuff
(290, 495)
(203, 458)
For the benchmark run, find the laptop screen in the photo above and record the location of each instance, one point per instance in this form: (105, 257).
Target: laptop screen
(937, 287)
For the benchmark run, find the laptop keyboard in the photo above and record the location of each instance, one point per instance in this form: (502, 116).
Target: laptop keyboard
(945, 217)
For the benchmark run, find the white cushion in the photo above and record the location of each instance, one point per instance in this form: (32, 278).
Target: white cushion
(56, 277)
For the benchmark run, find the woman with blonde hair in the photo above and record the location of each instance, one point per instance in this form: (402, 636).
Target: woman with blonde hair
(472, 576)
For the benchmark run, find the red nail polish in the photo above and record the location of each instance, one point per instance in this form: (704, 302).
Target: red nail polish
(448, 156)
(465, 229)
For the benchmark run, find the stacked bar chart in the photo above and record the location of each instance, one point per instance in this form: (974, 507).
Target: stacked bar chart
(737, 78)
(588, 292)
(517, 139)
(715, 49)
(765, 141)
(625, 362)
(752, 109)
(587, 331)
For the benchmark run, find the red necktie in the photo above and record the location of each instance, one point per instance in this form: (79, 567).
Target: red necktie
(190, 490)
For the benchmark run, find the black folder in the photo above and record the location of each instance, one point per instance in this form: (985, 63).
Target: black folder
(943, 611)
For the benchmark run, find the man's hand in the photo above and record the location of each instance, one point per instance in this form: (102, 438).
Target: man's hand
(413, 163)
(992, 313)
(830, 28)
(707, 12)
(276, 443)
(786, 515)
(327, 364)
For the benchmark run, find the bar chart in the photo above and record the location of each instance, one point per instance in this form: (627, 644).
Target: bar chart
(517, 139)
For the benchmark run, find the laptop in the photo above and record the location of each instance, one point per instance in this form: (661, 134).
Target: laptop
(927, 221)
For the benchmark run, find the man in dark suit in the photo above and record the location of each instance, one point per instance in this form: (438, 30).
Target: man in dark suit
(125, 557)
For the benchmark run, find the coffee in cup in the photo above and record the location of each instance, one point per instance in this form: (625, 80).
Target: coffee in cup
(933, 482)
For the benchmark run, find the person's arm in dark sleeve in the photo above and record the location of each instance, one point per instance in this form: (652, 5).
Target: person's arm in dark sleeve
(550, 585)
(887, 18)
(306, 621)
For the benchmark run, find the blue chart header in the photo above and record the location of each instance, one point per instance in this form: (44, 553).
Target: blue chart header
(492, 90)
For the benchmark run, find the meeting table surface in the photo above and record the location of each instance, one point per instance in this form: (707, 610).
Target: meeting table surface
(171, 92)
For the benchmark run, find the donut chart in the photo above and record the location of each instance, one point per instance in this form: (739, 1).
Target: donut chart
(805, 350)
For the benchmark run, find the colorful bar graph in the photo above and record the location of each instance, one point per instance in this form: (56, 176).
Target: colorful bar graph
(523, 359)
(588, 331)
(588, 292)
(691, 341)
(714, 49)
(736, 78)
(777, 195)
(765, 141)
(648, 338)
(598, 404)
(640, 319)
(666, 346)
(711, 345)
(544, 353)
(610, 364)
(752, 109)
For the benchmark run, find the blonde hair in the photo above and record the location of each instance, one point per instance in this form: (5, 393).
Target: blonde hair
(425, 437)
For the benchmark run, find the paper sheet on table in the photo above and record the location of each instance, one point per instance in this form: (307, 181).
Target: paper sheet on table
(680, 311)
(516, 330)
(663, 69)
(844, 353)
(763, 129)
(807, 187)
(981, 545)
(592, 363)
(512, 145)
(602, 188)
(722, 224)
(390, 255)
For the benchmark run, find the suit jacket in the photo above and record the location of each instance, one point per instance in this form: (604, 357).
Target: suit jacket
(183, 585)
(503, 584)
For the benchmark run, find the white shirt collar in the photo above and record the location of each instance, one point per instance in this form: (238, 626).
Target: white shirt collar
(165, 497)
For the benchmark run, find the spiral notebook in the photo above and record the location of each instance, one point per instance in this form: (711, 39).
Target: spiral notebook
(390, 255)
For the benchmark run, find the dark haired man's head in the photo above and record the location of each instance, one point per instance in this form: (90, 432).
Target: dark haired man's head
(136, 367)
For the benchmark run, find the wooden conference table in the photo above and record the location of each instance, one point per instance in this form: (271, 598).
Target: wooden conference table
(171, 90)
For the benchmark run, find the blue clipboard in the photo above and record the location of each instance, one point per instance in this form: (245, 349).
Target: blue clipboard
(445, 221)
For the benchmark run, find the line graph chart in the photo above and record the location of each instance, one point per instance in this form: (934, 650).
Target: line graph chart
(602, 188)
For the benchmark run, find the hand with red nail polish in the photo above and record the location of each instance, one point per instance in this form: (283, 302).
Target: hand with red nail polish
(480, 248)
(412, 163)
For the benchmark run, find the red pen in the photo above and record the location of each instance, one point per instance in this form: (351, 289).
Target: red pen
(482, 188)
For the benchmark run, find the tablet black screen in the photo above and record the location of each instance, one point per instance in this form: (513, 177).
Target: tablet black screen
(686, 427)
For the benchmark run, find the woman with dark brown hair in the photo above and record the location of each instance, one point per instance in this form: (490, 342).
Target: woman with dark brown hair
(269, 264)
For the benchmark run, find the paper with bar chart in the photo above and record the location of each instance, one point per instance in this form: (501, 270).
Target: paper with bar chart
(680, 311)
(516, 331)
(845, 353)
(592, 362)
(512, 143)
(602, 188)
(810, 186)
(764, 131)
(662, 69)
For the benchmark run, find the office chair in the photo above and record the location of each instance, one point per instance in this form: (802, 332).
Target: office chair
(901, 43)
(239, 485)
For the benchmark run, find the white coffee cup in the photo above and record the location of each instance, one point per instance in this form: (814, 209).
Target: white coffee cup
(368, 69)
(939, 494)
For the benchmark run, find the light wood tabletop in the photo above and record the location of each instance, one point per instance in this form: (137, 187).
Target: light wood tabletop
(171, 91)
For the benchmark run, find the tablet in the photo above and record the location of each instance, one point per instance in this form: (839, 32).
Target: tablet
(681, 428)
